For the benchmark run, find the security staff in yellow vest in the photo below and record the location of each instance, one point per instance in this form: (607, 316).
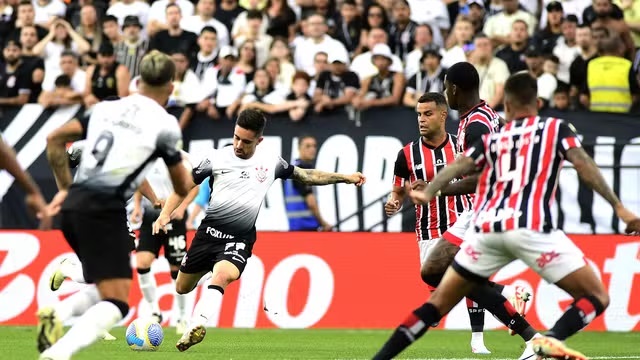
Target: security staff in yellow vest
(300, 201)
(611, 82)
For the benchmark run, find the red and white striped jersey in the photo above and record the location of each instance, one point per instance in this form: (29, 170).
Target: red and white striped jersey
(520, 167)
(479, 120)
(419, 161)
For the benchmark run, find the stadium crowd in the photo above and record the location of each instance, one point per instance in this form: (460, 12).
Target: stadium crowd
(320, 56)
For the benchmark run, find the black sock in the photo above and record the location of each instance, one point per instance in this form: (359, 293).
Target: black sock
(579, 315)
(490, 298)
(476, 316)
(409, 331)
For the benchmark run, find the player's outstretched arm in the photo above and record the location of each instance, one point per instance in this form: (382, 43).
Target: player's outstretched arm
(317, 177)
(590, 174)
(463, 165)
(465, 186)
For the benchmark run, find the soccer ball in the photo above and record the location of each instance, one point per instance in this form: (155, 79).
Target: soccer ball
(144, 335)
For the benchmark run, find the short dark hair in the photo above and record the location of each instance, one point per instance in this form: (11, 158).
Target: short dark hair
(521, 21)
(571, 18)
(13, 42)
(108, 18)
(349, 2)
(252, 119)
(521, 88)
(434, 97)
(25, 2)
(464, 76)
(254, 14)
(69, 53)
(63, 81)
(562, 89)
(173, 5)
(210, 29)
(304, 137)
(553, 58)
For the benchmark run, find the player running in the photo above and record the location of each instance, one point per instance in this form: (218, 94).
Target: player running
(519, 173)
(422, 160)
(157, 187)
(125, 137)
(239, 177)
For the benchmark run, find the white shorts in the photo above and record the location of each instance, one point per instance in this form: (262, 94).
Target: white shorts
(426, 246)
(455, 234)
(552, 255)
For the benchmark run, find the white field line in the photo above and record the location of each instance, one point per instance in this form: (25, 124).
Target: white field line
(637, 357)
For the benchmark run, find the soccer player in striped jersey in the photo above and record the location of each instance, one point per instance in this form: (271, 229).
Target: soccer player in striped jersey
(421, 160)
(519, 169)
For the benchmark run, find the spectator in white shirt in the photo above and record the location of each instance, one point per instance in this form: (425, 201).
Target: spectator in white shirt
(492, 71)
(362, 64)
(186, 85)
(384, 88)
(223, 86)
(317, 41)
(566, 48)
(48, 10)
(195, 23)
(462, 39)
(429, 79)
(252, 33)
(423, 40)
(123, 8)
(498, 26)
(240, 24)
(61, 37)
(69, 67)
(158, 14)
(434, 13)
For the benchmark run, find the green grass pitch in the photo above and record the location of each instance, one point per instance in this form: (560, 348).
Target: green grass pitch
(19, 344)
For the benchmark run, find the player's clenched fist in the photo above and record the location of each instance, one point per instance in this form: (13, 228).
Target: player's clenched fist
(391, 207)
(357, 178)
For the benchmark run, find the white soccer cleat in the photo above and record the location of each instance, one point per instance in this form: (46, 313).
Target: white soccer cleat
(191, 337)
(57, 278)
(480, 349)
(528, 353)
(519, 301)
(53, 357)
(181, 326)
(108, 337)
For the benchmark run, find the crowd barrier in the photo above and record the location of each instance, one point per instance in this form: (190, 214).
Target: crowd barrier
(323, 280)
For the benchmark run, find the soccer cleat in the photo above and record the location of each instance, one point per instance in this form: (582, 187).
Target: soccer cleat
(480, 349)
(192, 337)
(519, 301)
(57, 278)
(49, 328)
(157, 317)
(181, 326)
(108, 337)
(548, 347)
(54, 357)
(528, 353)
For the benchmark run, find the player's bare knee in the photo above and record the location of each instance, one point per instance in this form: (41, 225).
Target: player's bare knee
(222, 278)
(182, 287)
(144, 259)
(431, 275)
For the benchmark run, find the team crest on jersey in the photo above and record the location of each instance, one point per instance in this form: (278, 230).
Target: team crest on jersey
(261, 174)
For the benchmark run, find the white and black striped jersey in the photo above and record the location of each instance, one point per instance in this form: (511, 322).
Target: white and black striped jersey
(123, 139)
(238, 187)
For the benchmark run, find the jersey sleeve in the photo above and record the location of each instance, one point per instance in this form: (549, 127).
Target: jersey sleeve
(567, 138)
(84, 122)
(400, 170)
(169, 145)
(204, 169)
(477, 152)
(474, 133)
(283, 169)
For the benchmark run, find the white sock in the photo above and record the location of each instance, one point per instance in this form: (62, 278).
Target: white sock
(204, 279)
(206, 308)
(508, 291)
(148, 287)
(477, 338)
(73, 271)
(89, 328)
(77, 303)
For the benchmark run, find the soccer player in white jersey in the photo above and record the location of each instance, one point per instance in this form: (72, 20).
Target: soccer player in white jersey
(240, 177)
(125, 137)
(156, 187)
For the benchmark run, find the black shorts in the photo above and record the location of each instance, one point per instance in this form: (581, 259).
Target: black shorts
(102, 242)
(174, 241)
(210, 246)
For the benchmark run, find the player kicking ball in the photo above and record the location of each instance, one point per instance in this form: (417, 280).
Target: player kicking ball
(513, 220)
(240, 176)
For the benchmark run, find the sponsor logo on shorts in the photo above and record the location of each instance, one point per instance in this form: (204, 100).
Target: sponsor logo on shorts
(184, 260)
(217, 233)
(545, 258)
(471, 252)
